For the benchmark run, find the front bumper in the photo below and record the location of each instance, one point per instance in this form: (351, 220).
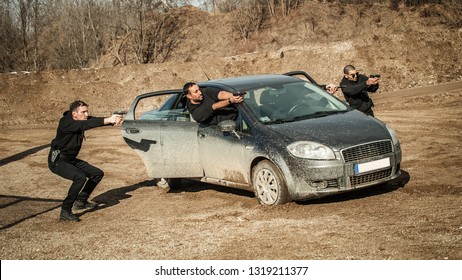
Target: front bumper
(315, 179)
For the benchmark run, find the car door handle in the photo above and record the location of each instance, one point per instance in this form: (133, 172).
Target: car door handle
(202, 135)
(132, 130)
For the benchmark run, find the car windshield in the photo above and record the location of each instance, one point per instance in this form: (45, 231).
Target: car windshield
(291, 102)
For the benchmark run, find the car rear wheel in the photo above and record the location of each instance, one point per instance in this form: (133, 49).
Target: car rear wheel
(269, 185)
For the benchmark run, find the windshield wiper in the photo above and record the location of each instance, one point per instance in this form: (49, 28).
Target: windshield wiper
(286, 120)
(323, 114)
(304, 117)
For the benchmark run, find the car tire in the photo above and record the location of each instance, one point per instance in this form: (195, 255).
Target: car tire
(269, 184)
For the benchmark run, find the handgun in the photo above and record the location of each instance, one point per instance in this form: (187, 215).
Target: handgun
(375, 76)
(239, 93)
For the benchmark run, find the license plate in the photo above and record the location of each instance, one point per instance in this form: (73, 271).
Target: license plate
(372, 165)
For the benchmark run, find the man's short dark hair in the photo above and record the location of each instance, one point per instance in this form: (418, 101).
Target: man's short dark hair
(187, 86)
(76, 104)
(348, 68)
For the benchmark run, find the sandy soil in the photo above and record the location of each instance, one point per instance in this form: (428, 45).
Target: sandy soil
(416, 217)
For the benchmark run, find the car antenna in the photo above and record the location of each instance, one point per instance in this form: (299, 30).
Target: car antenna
(203, 71)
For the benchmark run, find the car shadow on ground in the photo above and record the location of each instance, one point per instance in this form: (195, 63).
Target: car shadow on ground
(114, 196)
(196, 186)
(391, 186)
(399, 182)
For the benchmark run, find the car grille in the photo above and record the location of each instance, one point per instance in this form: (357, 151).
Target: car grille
(365, 151)
(370, 177)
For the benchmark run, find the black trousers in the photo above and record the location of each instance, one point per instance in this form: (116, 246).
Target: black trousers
(77, 171)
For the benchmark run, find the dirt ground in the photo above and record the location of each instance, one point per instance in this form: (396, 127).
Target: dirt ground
(416, 217)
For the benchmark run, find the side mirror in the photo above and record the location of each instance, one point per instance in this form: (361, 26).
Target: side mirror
(229, 126)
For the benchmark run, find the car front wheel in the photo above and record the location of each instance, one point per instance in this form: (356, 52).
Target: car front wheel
(269, 185)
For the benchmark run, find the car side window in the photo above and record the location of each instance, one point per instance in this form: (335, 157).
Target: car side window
(170, 107)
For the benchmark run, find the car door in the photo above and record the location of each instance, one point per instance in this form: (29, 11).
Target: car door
(223, 155)
(159, 129)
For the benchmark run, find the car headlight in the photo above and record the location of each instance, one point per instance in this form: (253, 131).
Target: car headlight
(310, 150)
(394, 136)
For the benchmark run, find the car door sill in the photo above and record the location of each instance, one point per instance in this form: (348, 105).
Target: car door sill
(225, 183)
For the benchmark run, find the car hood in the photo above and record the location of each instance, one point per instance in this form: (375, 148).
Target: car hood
(336, 131)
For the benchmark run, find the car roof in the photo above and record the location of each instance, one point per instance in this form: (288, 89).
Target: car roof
(243, 83)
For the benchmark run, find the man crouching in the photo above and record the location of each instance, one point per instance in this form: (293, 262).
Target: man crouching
(63, 161)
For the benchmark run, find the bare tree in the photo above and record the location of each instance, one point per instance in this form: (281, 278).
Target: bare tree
(10, 37)
(251, 15)
(288, 5)
(164, 36)
(24, 21)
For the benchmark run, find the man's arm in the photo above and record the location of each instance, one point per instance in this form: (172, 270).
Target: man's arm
(225, 98)
(330, 88)
(364, 83)
(203, 112)
(350, 89)
(70, 125)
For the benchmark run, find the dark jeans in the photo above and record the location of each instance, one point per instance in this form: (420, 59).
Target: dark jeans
(77, 171)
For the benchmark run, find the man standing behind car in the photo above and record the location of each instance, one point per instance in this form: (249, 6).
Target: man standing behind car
(63, 161)
(355, 88)
(210, 106)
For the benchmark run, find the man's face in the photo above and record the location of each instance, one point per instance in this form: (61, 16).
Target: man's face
(352, 75)
(80, 114)
(195, 94)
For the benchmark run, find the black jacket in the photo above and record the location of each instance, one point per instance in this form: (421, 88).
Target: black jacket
(356, 95)
(70, 134)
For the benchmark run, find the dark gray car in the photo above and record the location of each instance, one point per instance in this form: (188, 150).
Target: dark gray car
(291, 141)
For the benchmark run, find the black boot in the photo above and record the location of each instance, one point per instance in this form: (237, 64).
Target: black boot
(84, 204)
(68, 216)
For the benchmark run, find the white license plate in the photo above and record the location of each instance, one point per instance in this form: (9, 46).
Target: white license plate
(372, 165)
